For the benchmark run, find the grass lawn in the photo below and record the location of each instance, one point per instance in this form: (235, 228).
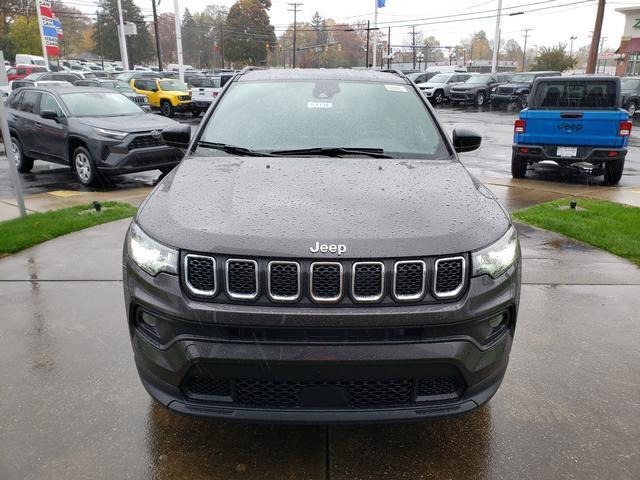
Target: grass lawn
(610, 226)
(21, 233)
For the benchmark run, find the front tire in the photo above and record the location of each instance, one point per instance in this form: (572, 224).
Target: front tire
(480, 98)
(518, 166)
(613, 171)
(24, 164)
(523, 101)
(167, 109)
(84, 167)
(438, 97)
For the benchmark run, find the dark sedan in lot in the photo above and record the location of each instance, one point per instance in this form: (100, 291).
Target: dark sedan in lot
(95, 131)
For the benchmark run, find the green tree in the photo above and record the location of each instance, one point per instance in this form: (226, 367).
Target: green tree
(25, 36)
(553, 58)
(139, 46)
(191, 39)
(248, 34)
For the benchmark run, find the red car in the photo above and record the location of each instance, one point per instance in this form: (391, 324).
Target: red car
(20, 71)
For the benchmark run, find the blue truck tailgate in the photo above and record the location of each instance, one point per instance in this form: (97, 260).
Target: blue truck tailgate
(597, 128)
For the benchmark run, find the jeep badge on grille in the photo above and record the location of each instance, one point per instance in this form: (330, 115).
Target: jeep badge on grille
(331, 248)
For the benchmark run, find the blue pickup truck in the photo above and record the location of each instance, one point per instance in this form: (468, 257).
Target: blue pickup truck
(576, 122)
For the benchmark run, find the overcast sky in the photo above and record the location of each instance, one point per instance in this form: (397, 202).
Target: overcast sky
(548, 26)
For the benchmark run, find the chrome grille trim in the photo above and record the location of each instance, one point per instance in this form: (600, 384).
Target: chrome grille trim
(335, 299)
(452, 293)
(280, 298)
(241, 296)
(367, 299)
(191, 288)
(409, 298)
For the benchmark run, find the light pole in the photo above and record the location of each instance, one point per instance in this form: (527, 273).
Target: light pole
(572, 38)
(496, 39)
(420, 58)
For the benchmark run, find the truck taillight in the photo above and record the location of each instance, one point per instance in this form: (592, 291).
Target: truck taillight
(519, 126)
(625, 129)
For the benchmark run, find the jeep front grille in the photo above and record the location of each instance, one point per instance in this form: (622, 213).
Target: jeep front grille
(325, 282)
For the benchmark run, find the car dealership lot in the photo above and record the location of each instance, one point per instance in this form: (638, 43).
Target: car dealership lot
(71, 405)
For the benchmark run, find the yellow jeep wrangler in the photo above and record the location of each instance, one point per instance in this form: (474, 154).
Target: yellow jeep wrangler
(166, 94)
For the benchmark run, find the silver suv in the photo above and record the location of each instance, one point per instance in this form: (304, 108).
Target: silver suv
(438, 88)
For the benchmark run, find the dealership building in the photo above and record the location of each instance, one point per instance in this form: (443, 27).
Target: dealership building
(628, 53)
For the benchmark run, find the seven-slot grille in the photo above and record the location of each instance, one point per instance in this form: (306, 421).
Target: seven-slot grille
(324, 282)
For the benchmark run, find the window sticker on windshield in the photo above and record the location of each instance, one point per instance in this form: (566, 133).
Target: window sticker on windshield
(319, 105)
(396, 88)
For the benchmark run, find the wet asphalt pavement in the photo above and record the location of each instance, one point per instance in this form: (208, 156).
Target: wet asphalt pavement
(72, 407)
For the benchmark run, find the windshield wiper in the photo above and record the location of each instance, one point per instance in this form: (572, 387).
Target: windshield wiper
(334, 152)
(233, 150)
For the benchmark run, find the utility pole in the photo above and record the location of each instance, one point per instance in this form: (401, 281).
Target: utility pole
(176, 12)
(122, 39)
(99, 39)
(294, 8)
(496, 39)
(602, 39)
(375, 38)
(155, 29)
(595, 40)
(366, 64)
(389, 49)
(413, 44)
(524, 50)
(221, 47)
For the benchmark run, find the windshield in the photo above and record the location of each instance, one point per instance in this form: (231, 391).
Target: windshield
(99, 104)
(630, 83)
(38, 61)
(523, 78)
(440, 78)
(478, 79)
(271, 116)
(172, 85)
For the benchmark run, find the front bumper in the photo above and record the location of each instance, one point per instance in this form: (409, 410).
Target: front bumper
(274, 349)
(184, 106)
(595, 155)
(137, 153)
(462, 96)
(505, 97)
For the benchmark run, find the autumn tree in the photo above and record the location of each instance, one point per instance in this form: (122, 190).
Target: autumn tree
(77, 28)
(478, 47)
(139, 46)
(553, 58)
(248, 33)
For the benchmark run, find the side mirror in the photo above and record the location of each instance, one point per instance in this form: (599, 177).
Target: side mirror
(466, 140)
(49, 115)
(177, 136)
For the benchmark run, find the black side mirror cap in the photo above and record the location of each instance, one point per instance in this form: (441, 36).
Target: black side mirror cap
(177, 136)
(466, 140)
(49, 115)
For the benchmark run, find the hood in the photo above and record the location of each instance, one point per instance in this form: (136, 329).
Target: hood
(280, 207)
(462, 88)
(432, 85)
(516, 85)
(141, 122)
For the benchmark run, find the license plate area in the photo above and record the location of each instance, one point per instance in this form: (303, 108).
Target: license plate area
(567, 152)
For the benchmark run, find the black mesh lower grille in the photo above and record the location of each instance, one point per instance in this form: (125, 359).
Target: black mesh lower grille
(367, 280)
(326, 281)
(207, 386)
(284, 280)
(201, 274)
(409, 279)
(449, 276)
(241, 277)
(440, 386)
(360, 393)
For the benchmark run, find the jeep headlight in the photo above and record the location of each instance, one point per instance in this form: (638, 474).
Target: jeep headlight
(149, 255)
(496, 259)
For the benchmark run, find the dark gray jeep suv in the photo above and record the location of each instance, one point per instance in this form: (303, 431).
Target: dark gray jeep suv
(321, 255)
